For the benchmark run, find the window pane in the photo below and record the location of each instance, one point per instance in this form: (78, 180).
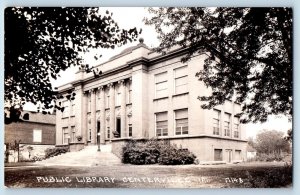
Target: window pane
(178, 130)
(236, 120)
(182, 122)
(181, 114)
(185, 130)
(162, 124)
(130, 130)
(37, 135)
(227, 117)
(160, 77)
(218, 155)
(216, 114)
(181, 81)
(161, 86)
(181, 89)
(179, 72)
(161, 116)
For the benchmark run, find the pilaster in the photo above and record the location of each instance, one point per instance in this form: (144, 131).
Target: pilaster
(124, 133)
(93, 116)
(112, 108)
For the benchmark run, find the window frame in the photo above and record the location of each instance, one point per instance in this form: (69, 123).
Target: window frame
(161, 82)
(219, 122)
(40, 136)
(181, 127)
(66, 112)
(180, 77)
(227, 125)
(236, 130)
(162, 133)
(65, 135)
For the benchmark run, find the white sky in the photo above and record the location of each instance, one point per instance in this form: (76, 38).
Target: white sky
(128, 17)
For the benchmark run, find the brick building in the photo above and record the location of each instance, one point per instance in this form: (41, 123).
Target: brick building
(37, 133)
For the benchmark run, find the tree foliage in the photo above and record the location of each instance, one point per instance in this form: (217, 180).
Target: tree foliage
(268, 142)
(249, 54)
(41, 42)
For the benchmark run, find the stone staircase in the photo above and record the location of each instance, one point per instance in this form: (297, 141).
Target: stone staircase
(89, 156)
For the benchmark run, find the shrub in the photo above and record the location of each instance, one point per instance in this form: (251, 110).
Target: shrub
(273, 177)
(171, 155)
(140, 152)
(269, 157)
(155, 151)
(50, 152)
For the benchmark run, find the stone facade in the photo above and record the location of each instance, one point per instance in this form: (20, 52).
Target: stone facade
(142, 94)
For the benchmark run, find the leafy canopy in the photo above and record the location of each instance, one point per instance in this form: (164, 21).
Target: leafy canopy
(41, 42)
(249, 54)
(271, 142)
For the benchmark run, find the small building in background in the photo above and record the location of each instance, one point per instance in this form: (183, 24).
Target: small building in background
(251, 153)
(27, 139)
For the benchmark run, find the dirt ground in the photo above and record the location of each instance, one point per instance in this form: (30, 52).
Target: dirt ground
(146, 176)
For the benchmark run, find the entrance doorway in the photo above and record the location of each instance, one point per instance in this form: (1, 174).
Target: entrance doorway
(118, 127)
(228, 156)
(98, 131)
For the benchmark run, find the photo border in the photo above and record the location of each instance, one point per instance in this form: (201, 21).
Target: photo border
(129, 3)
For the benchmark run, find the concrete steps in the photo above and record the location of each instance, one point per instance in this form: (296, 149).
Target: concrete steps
(89, 156)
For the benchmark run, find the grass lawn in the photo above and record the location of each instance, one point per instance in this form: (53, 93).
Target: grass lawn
(152, 176)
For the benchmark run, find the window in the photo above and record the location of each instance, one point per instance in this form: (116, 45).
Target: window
(161, 124)
(180, 80)
(65, 135)
(118, 98)
(107, 99)
(161, 85)
(72, 108)
(238, 155)
(89, 102)
(236, 127)
(73, 137)
(37, 135)
(98, 99)
(108, 132)
(227, 118)
(129, 93)
(118, 126)
(181, 122)
(129, 127)
(90, 135)
(66, 109)
(218, 155)
(216, 122)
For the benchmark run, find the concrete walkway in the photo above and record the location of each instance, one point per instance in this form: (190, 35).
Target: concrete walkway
(89, 156)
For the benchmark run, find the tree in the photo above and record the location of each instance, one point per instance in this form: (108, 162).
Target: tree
(268, 142)
(41, 42)
(289, 136)
(249, 54)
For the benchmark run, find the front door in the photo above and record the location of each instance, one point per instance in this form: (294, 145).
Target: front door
(119, 126)
(228, 156)
(98, 131)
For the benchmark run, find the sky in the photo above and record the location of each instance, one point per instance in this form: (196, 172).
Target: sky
(128, 17)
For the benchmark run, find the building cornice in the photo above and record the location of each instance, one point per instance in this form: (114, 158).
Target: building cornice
(127, 66)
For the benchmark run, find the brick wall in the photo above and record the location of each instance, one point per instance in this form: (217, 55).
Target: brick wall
(24, 131)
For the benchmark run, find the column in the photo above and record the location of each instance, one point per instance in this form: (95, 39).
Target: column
(140, 116)
(84, 117)
(124, 132)
(112, 109)
(93, 116)
(102, 114)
